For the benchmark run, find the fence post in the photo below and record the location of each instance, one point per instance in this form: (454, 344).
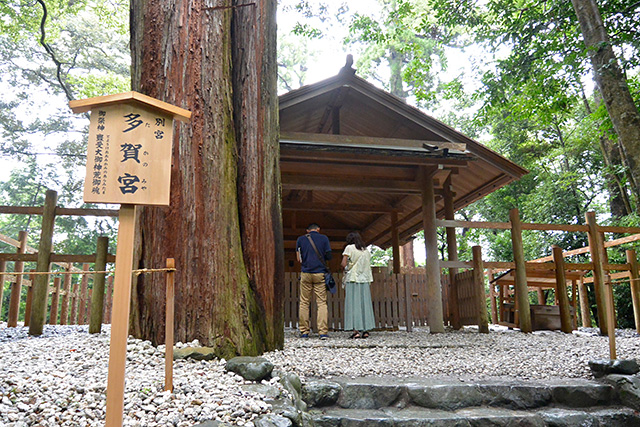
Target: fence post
(478, 280)
(561, 291)
(82, 309)
(97, 296)
(41, 290)
(635, 286)
(407, 301)
(55, 297)
(585, 311)
(66, 289)
(27, 306)
(522, 290)
(73, 289)
(598, 272)
(493, 297)
(109, 302)
(168, 347)
(3, 266)
(16, 287)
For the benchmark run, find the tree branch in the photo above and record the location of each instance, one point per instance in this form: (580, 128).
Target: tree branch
(51, 53)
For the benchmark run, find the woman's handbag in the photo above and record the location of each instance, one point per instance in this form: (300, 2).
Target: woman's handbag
(329, 282)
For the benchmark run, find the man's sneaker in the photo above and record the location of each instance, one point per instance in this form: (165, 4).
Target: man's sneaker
(324, 336)
(304, 336)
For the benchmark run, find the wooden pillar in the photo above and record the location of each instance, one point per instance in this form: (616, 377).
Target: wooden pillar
(16, 287)
(29, 303)
(541, 298)
(66, 289)
(395, 242)
(561, 291)
(55, 297)
(493, 297)
(168, 347)
(97, 297)
(522, 291)
(41, 284)
(478, 279)
(585, 312)
(432, 267)
(635, 286)
(82, 309)
(598, 272)
(452, 255)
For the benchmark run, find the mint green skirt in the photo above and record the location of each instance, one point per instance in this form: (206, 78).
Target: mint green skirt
(358, 309)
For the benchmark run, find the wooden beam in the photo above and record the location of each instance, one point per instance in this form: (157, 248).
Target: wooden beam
(356, 170)
(335, 207)
(362, 185)
(368, 142)
(290, 153)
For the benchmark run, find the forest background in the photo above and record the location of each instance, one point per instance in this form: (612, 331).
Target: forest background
(514, 75)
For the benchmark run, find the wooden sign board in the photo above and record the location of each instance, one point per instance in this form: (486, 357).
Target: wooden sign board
(129, 155)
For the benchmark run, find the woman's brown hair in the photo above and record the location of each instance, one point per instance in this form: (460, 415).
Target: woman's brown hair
(354, 238)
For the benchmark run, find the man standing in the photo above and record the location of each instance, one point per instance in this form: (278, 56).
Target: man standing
(312, 278)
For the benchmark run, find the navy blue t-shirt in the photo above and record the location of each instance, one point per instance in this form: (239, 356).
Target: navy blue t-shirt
(310, 261)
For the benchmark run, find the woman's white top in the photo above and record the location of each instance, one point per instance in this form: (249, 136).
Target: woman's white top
(359, 265)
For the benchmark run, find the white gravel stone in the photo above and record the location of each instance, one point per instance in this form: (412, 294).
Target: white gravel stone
(60, 379)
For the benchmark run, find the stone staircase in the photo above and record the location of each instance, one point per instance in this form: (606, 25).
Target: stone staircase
(429, 402)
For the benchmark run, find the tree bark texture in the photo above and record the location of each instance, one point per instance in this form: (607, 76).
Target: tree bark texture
(611, 83)
(224, 225)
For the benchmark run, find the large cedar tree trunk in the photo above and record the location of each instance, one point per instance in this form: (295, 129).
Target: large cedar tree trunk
(611, 83)
(224, 227)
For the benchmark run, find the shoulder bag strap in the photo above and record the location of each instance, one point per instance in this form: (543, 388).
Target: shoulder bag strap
(315, 248)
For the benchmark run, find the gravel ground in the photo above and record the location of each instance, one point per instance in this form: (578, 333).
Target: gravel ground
(60, 378)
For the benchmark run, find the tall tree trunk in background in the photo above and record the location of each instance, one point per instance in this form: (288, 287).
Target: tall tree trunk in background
(611, 83)
(224, 225)
(619, 203)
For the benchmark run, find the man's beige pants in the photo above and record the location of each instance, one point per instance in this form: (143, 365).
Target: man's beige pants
(313, 282)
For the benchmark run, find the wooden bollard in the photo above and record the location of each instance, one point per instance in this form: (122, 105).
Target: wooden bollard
(66, 289)
(478, 279)
(561, 291)
(523, 309)
(55, 297)
(635, 286)
(168, 351)
(97, 296)
(585, 311)
(16, 286)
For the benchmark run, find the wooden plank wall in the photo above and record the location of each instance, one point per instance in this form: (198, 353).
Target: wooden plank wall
(387, 295)
(467, 298)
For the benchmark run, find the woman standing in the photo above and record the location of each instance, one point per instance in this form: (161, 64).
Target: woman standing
(358, 309)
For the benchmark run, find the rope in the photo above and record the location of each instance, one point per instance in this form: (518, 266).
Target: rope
(53, 273)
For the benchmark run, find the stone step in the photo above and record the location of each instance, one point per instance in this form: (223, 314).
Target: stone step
(475, 416)
(450, 395)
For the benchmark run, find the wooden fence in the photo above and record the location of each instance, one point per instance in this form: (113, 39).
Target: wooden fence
(69, 300)
(398, 300)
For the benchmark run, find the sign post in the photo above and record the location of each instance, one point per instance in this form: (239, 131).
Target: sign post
(128, 162)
